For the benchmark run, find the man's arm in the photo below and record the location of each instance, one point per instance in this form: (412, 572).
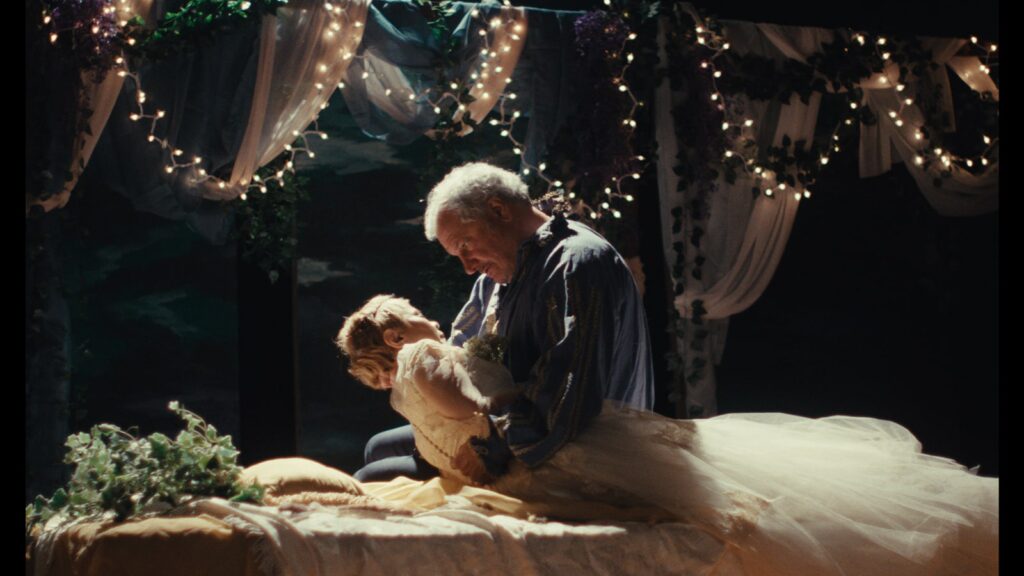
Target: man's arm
(565, 390)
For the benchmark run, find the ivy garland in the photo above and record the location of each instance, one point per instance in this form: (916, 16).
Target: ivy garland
(119, 476)
(266, 224)
(705, 149)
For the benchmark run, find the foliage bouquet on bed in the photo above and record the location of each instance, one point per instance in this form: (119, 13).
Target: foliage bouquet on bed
(118, 475)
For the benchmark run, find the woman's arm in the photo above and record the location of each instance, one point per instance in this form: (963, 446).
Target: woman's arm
(440, 377)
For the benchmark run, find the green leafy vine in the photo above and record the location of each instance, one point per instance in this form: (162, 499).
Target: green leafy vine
(119, 476)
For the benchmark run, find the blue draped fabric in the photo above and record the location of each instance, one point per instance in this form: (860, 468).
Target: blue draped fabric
(398, 32)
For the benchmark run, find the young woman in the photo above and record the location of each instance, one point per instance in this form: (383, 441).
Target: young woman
(790, 495)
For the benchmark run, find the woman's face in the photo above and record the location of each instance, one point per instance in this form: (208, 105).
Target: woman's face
(417, 326)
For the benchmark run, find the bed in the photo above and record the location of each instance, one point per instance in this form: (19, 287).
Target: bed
(320, 521)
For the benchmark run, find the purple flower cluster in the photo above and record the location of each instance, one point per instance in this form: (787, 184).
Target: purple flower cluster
(603, 151)
(92, 36)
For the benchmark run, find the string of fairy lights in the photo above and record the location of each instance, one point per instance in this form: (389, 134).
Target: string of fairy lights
(740, 130)
(506, 122)
(177, 159)
(769, 182)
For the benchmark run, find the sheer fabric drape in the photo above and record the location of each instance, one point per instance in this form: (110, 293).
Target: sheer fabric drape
(386, 86)
(746, 237)
(99, 97)
(305, 50)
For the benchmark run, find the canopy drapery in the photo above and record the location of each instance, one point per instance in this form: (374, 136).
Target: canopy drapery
(746, 237)
(239, 104)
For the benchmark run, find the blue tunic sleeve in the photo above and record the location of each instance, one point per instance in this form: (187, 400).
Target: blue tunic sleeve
(577, 324)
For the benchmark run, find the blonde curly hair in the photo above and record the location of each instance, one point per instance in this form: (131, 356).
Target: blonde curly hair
(361, 338)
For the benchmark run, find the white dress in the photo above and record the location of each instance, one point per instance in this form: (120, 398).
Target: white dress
(789, 495)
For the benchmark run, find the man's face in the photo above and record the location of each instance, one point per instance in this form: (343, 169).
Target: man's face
(488, 245)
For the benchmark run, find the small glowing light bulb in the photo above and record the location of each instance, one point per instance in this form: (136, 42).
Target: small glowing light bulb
(974, 39)
(636, 176)
(622, 88)
(202, 172)
(572, 195)
(134, 117)
(169, 169)
(505, 133)
(701, 40)
(179, 152)
(892, 113)
(938, 151)
(263, 189)
(517, 114)
(992, 48)
(748, 123)
(483, 32)
(886, 55)
(632, 36)
(517, 151)
(807, 193)
(640, 158)
(512, 96)
(728, 154)
(462, 107)
(366, 75)
(341, 85)
(150, 138)
(726, 46)
(824, 160)
(198, 160)
(725, 125)
(769, 192)
(593, 215)
(984, 161)
(437, 110)
(629, 197)
(881, 41)
(908, 101)
(986, 139)
(699, 29)
(607, 190)
(853, 105)
(899, 123)
(558, 183)
(918, 159)
(387, 92)
(758, 170)
(526, 171)
(717, 74)
(782, 186)
(970, 163)
(714, 97)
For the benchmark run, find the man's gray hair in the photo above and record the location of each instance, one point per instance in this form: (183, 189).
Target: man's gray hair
(465, 191)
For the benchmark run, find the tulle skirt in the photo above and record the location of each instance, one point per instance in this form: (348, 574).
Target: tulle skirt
(788, 495)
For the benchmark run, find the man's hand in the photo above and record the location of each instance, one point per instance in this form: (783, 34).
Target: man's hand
(469, 463)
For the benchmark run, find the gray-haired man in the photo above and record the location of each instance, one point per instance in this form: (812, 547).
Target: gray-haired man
(561, 295)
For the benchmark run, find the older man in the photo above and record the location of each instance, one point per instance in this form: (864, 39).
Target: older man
(559, 293)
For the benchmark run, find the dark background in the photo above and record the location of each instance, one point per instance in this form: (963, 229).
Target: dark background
(880, 307)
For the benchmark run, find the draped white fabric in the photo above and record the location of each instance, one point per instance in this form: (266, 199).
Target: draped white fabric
(392, 79)
(99, 97)
(745, 239)
(305, 50)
